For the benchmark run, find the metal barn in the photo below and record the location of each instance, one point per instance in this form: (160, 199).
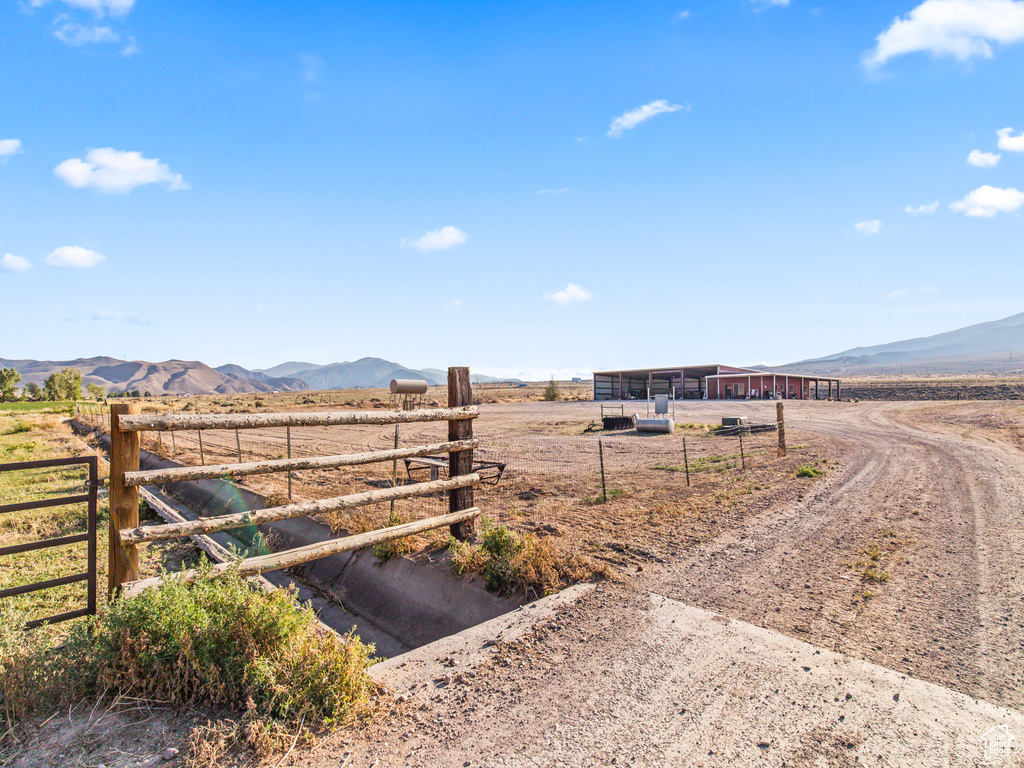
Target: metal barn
(712, 382)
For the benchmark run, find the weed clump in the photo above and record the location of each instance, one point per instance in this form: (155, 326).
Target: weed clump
(809, 471)
(214, 641)
(512, 563)
(396, 547)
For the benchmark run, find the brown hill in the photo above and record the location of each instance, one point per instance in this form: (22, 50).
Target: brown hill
(168, 377)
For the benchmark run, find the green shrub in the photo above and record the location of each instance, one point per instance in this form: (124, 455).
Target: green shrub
(214, 641)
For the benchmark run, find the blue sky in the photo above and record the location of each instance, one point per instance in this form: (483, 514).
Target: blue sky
(520, 187)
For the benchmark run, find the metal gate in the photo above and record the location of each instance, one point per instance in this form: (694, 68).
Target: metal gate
(89, 536)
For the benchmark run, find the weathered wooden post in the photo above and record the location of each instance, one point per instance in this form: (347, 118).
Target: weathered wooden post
(743, 459)
(122, 559)
(460, 394)
(780, 420)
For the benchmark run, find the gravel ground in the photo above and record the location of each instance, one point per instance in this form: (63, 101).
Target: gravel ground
(934, 491)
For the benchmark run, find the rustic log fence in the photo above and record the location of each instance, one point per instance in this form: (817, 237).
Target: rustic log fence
(127, 425)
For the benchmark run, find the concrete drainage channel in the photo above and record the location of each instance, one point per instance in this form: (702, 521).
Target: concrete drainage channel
(398, 605)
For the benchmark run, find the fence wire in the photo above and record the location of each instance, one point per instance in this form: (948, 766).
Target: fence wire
(575, 470)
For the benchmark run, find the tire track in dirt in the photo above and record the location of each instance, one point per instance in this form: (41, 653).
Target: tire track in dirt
(942, 511)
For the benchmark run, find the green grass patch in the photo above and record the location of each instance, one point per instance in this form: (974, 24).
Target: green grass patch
(810, 471)
(62, 407)
(599, 497)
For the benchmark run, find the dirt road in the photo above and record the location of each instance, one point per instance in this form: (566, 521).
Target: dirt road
(928, 500)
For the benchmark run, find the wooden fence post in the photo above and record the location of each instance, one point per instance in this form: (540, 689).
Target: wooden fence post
(781, 422)
(122, 559)
(460, 393)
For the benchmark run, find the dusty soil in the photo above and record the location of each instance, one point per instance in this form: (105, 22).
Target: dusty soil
(946, 480)
(907, 553)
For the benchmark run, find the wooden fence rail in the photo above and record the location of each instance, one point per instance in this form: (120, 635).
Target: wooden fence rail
(178, 474)
(180, 421)
(278, 560)
(301, 509)
(126, 424)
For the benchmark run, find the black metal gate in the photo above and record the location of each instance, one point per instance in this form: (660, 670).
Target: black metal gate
(89, 536)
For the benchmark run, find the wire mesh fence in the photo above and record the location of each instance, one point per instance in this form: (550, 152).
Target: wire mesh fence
(575, 471)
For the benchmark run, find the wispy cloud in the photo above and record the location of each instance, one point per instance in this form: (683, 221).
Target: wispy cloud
(682, 15)
(437, 239)
(899, 293)
(572, 294)
(959, 28)
(110, 170)
(130, 49)
(987, 201)
(760, 4)
(312, 67)
(631, 119)
(99, 7)
(915, 210)
(9, 148)
(119, 317)
(980, 159)
(75, 35)
(74, 256)
(1009, 142)
(872, 227)
(453, 304)
(13, 263)
(552, 191)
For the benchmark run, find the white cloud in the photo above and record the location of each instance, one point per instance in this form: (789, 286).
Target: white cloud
(572, 293)
(926, 208)
(872, 227)
(312, 67)
(437, 239)
(74, 256)
(1010, 143)
(120, 317)
(110, 170)
(13, 263)
(99, 7)
(988, 201)
(683, 15)
(9, 148)
(75, 34)
(634, 117)
(553, 191)
(897, 294)
(980, 159)
(259, 307)
(131, 49)
(958, 28)
(770, 3)
(453, 304)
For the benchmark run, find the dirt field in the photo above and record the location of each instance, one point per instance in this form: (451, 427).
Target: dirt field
(551, 485)
(909, 553)
(934, 388)
(936, 488)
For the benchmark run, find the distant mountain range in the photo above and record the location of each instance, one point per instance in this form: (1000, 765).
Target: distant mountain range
(193, 377)
(995, 347)
(168, 377)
